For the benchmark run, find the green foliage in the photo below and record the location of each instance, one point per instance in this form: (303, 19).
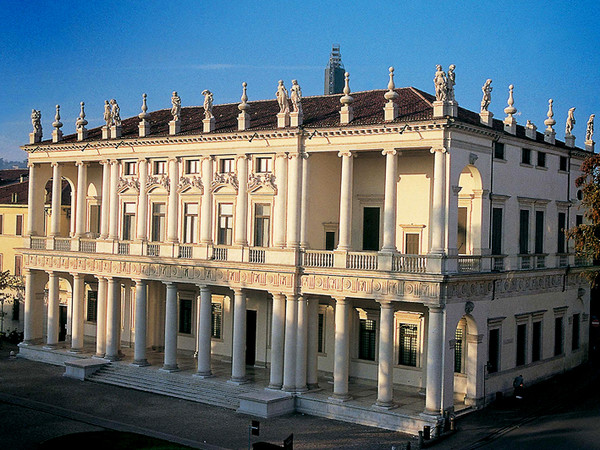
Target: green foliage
(8, 281)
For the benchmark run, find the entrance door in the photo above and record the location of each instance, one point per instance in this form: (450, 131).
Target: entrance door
(250, 337)
(62, 320)
(371, 228)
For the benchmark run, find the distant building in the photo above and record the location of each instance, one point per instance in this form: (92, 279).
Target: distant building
(334, 72)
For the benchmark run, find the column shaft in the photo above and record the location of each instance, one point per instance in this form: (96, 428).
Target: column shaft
(342, 348)
(313, 343)
(53, 309)
(113, 228)
(301, 345)
(32, 201)
(293, 198)
(437, 207)
(206, 209)
(346, 202)
(435, 337)
(81, 205)
(277, 335)
(142, 206)
(238, 362)
(289, 355)
(173, 207)
(280, 207)
(105, 205)
(389, 208)
(29, 320)
(241, 207)
(113, 319)
(141, 307)
(56, 200)
(101, 317)
(385, 378)
(170, 363)
(77, 312)
(304, 203)
(204, 332)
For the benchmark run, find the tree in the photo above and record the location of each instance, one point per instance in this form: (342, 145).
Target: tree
(12, 282)
(587, 235)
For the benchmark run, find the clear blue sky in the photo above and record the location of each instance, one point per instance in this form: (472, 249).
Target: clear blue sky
(68, 51)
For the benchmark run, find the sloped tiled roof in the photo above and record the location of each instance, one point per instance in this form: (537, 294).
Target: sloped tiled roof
(12, 175)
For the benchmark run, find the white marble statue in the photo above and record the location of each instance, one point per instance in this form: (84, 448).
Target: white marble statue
(487, 95)
(589, 129)
(570, 122)
(441, 84)
(296, 97)
(115, 112)
(176, 108)
(107, 114)
(450, 82)
(36, 121)
(282, 98)
(208, 103)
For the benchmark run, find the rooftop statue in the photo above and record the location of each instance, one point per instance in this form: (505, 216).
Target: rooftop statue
(487, 95)
(441, 84)
(36, 120)
(107, 114)
(570, 122)
(589, 129)
(296, 97)
(282, 98)
(176, 108)
(115, 113)
(450, 82)
(208, 103)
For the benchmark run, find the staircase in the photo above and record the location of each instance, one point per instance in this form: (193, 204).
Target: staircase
(181, 385)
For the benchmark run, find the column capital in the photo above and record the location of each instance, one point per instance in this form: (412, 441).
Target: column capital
(436, 308)
(348, 153)
(390, 151)
(174, 159)
(238, 290)
(54, 164)
(82, 163)
(281, 155)
(294, 155)
(245, 156)
(385, 304)
(203, 286)
(78, 276)
(100, 278)
(207, 158)
(52, 273)
(168, 283)
(139, 280)
(31, 165)
(143, 159)
(438, 149)
(341, 300)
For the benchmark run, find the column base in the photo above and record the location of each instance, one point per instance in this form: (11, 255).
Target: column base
(169, 368)
(302, 389)
(50, 346)
(99, 356)
(430, 415)
(313, 386)
(274, 387)
(385, 405)
(75, 350)
(30, 342)
(112, 357)
(140, 363)
(204, 375)
(238, 381)
(340, 397)
(288, 388)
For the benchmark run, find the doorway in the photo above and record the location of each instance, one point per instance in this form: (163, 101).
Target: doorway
(250, 337)
(371, 219)
(62, 321)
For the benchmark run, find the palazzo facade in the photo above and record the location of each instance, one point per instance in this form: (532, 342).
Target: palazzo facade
(380, 235)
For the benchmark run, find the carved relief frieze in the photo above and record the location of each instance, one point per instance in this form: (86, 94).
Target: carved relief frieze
(128, 183)
(258, 180)
(190, 182)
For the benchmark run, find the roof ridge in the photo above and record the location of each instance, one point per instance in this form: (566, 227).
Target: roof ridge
(420, 94)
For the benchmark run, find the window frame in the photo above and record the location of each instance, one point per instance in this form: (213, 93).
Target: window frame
(526, 156)
(225, 234)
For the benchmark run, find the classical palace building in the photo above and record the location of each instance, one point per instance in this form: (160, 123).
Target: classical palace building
(386, 238)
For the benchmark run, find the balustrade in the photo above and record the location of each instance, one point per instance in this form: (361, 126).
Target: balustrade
(361, 261)
(409, 263)
(317, 258)
(220, 253)
(87, 246)
(256, 255)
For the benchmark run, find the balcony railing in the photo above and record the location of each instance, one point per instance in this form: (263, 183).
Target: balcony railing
(526, 262)
(185, 251)
(361, 261)
(219, 253)
(87, 246)
(468, 263)
(563, 260)
(409, 263)
(153, 250)
(317, 258)
(256, 255)
(497, 263)
(62, 244)
(123, 248)
(38, 243)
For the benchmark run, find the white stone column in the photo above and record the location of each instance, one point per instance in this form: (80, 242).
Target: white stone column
(385, 392)
(280, 207)
(101, 317)
(105, 205)
(53, 310)
(289, 354)
(277, 336)
(170, 363)
(241, 206)
(437, 207)
(113, 224)
(342, 350)
(173, 205)
(113, 319)
(206, 209)
(32, 200)
(77, 312)
(301, 345)
(345, 237)
(238, 361)
(30, 328)
(56, 199)
(435, 340)
(304, 203)
(142, 206)
(293, 199)
(141, 313)
(313, 343)
(389, 207)
(204, 333)
(81, 205)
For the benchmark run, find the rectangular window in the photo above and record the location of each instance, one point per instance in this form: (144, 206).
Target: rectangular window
(192, 166)
(160, 167)
(158, 222)
(526, 156)
(366, 337)
(563, 165)
(521, 343)
(408, 335)
(92, 306)
(19, 225)
(1, 224)
(190, 223)
(541, 159)
(262, 224)
(225, 224)
(539, 232)
(536, 344)
(411, 243)
(575, 337)
(16, 310)
(226, 165)
(558, 336)
(217, 320)
(321, 334)
(18, 265)
(329, 240)
(499, 150)
(264, 165)
(128, 221)
(185, 316)
(494, 350)
(524, 231)
(130, 168)
(458, 350)
(496, 231)
(562, 221)
(15, 197)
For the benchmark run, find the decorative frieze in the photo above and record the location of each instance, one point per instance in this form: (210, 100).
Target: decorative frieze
(258, 180)
(154, 181)
(224, 179)
(128, 183)
(186, 183)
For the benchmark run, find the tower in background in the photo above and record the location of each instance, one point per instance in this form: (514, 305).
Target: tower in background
(334, 72)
